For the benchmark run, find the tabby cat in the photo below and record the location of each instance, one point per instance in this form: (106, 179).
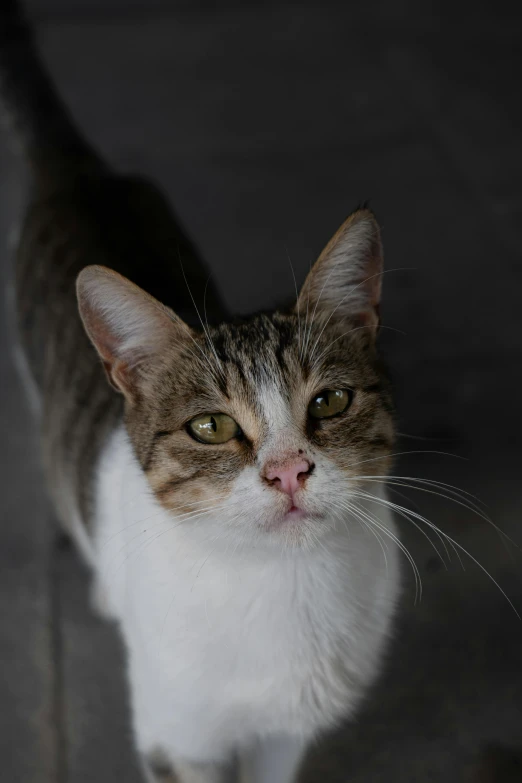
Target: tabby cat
(209, 472)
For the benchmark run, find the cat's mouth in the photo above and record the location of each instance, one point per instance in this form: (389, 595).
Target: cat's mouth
(295, 513)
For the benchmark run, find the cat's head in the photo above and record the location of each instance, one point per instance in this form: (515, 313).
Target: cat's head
(263, 425)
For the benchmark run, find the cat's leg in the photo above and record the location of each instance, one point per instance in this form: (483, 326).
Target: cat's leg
(182, 772)
(187, 772)
(168, 762)
(181, 741)
(147, 771)
(274, 760)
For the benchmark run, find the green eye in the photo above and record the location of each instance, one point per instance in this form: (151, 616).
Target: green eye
(329, 402)
(213, 428)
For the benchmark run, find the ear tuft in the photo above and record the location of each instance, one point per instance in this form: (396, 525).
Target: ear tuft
(345, 281)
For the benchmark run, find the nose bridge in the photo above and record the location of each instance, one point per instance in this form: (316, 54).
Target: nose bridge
(281, 448)
(283, 444)
(287, 467)
(282, 441)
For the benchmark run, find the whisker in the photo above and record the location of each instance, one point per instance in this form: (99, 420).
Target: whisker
(205, 302)
(301, 355)
(455, 544)
(296, 300)
(401, 495)
(354, 288)
(436, 483)
(401, 454)
(403, 513)
(356, 512)
(159, 512)
(451, 493)
(316, 305)
(402, 547)
(422, 437)
(140, 549)
(406, 553)
(205, 329)
(317, 359)
(178, 520)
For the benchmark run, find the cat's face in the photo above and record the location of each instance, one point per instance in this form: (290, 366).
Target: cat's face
(261, 426)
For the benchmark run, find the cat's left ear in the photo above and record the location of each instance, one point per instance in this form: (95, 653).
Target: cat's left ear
(345, 281)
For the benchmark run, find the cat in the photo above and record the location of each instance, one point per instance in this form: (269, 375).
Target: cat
(210, 472)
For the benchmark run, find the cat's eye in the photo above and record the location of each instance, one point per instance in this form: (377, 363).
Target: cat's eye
(213, 428)
(329, 402)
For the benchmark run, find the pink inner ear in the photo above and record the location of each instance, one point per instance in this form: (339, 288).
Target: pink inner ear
(117, 367)
(125, 324)
(99, 333)
(118, 376)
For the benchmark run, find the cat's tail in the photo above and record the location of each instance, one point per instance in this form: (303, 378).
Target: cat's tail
(30, 106)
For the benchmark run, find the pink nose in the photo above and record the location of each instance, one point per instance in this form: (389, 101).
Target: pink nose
(290, 476)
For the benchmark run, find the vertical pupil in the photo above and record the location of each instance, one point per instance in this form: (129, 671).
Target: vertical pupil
(326, 399)
(213, 423)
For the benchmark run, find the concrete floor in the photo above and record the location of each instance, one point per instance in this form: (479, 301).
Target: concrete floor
(266, 124)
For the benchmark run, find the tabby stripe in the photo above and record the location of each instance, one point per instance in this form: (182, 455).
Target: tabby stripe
(173, 483)
(146, 462)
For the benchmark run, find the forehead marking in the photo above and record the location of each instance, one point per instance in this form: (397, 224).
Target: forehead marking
(274, 408)
(282, 433)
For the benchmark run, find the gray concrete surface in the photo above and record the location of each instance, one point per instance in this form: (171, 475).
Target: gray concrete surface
(266, 124)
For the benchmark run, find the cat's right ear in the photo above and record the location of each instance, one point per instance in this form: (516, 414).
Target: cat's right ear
(344, 284)
(129, 328)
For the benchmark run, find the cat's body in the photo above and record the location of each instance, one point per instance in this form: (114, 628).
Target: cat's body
(245, 641)
(253, 594)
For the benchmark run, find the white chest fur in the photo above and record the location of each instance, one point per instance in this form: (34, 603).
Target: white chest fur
(228, 643)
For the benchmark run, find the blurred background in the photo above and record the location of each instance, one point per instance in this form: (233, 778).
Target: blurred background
(267, 123)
